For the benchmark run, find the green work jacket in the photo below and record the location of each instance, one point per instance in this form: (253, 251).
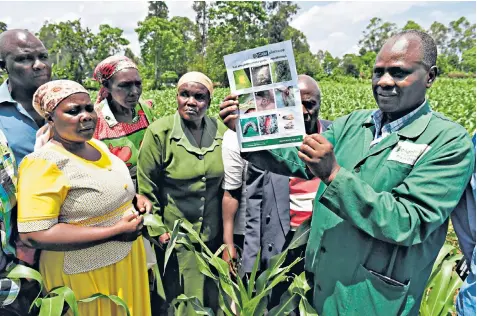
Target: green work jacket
(181, 179)
(386, 211)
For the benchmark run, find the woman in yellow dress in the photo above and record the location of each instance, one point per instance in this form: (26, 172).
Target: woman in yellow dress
(75, 204)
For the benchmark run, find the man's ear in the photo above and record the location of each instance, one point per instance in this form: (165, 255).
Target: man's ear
(431, 76)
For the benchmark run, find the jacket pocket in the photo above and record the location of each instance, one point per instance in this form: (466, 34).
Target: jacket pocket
(390, 175)
(372, 295)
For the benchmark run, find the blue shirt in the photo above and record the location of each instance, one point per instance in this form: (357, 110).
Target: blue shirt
(17, 125)
(463, 220)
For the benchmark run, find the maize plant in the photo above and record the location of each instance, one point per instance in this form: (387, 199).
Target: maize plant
(438, 298)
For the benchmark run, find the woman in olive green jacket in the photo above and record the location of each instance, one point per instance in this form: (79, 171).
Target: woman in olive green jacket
(180, 170)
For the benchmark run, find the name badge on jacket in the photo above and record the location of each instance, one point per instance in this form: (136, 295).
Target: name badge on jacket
(408, 153)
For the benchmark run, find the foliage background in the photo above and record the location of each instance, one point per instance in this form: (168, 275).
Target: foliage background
(171, 46)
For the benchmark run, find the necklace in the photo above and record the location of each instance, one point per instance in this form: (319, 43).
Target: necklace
(135, 117)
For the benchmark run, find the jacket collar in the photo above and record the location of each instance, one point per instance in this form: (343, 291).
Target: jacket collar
(416, 126)
(210, 135)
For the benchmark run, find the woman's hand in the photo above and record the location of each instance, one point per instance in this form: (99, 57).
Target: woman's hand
(229, 111)
(164, 238)
(129, 227)
(142, 204)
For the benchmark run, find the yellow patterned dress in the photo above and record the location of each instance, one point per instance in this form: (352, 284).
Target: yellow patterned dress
(56, 186)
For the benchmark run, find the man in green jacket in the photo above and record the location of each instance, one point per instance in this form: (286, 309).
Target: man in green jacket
(390, 179)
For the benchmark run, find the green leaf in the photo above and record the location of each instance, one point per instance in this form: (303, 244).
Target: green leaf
(288, 303)
(154, 225)
(255, 302)
(306, 309)
(244, 298)
(253, 275)
(187, 226)
(454, 285)
(68, 296)
(300, 284)
(301, 235)
(183, 239)
(203, 266)
(172, 243)
(274, 268)
(445, 250)
(436, 299)
(225, 281)
(220, 250)
(23, 272)
(224, 303)
(52, 306)
(196, 305)
(261, 306)
(116, 299)
(159, 286)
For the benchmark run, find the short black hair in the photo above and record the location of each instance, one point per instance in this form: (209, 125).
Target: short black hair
(429, 48)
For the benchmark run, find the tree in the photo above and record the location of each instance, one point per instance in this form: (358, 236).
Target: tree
(158, 9)
(329, 63)
(130, 54)
(367, 64)
(443, 65)
(279, 15)
(439, 33)
(109, 41)
(3, 27)
(376, 34)
(411, 25)
(189, 35)
(70, 44)
(201, 9)
(161, 43)
(234, 26)
(462, 36)
(468, 60)
(350, 65)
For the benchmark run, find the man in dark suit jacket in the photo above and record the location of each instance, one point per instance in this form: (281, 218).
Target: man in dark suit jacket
(268, 222)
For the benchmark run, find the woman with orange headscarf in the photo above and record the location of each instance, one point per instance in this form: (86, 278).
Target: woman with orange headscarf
(122, 115)
(75, 204)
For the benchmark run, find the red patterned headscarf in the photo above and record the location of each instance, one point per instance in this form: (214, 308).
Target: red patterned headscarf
(107, 68)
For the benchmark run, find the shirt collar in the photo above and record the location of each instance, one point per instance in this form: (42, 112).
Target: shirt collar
(107, 113)
(211, 133)
(400, 123)
(5, 95)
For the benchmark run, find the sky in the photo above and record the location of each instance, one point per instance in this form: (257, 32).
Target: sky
(335, 26)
